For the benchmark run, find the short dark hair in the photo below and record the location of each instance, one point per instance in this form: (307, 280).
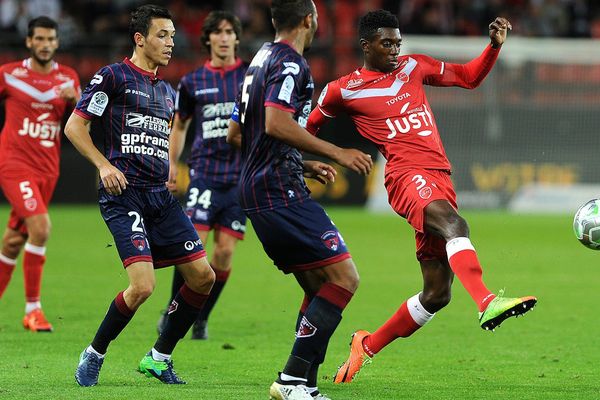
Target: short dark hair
(141, 19)
(373, 20)
(287, 14)
(211, 24)
(41, 22)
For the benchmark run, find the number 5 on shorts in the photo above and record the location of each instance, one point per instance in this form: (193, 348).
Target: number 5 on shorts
(26, 190)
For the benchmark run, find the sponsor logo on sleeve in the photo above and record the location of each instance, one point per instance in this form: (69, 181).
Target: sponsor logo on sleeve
(322, 96)
(98, 103)
(285, 93)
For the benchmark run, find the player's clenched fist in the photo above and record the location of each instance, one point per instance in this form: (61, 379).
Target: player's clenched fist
(355, 160)
(113, 180)
(498, 30)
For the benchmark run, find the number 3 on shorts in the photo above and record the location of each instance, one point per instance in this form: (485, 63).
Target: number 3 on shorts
(203, 199)
(419, 181)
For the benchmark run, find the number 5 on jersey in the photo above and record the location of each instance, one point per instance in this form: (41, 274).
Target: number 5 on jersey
(245, 97)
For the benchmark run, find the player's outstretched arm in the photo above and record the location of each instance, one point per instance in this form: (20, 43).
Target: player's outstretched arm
(234, 134)
(77, 131)
(280, 125)
(176, 145)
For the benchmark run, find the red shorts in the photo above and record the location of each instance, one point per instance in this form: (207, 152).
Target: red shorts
(409, 192)
(28, 193)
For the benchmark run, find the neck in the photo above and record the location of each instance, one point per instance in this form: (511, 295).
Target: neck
(39, 67)
(294, 38)
(143, 63)
(219, 62)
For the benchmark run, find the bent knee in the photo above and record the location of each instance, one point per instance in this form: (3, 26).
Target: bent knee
(434, 301)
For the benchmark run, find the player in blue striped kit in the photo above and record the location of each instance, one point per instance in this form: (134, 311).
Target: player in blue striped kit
(294, 230)
(134, 109)
(207, 96)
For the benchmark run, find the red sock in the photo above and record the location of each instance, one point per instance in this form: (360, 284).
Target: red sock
(7, 266)
(463, 261)
(33, 265)
(402, 324)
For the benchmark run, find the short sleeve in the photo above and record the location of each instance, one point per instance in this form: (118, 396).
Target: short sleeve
(285, 83)
(330, 101)
(184, 101)
(98, 93)
(235, 114)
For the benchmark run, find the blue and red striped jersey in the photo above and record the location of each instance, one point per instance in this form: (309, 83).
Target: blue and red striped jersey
(134, 109)
(208, 94)
(271, 174)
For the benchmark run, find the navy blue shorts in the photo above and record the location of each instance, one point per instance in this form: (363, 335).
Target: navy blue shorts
(214, 207)
(150, 226)
(299, 237)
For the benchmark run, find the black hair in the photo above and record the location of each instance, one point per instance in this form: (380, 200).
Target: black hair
(287, 14)
(373, 20)
(41, 22)
(212, 22)
(141, 19)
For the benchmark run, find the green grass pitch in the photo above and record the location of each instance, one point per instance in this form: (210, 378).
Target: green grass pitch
(551, 353)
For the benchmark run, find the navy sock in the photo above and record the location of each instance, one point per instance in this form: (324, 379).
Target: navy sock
(184, 310)
(115, 320)
(320, 320)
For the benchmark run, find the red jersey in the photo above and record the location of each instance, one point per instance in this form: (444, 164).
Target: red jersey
(392, 111)
(31, 134)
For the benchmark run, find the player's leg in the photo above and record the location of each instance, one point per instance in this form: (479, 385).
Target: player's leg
(301, 239)
(327, 292)
(182, 313)
(120, 312)
(443, 219)
(176, 284)
(174, 241)
(414, 313)
(13, 241)
(224, 246)
(34, 259)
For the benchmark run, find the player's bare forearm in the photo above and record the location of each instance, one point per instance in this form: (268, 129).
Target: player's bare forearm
(234, 134)
(177, 138)
(77, 131)
(280, 125)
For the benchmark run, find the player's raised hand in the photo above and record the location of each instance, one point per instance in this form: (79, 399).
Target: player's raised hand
(498, 30)
(113, 180)
(319, 171)
(355, 160)
(172, 182)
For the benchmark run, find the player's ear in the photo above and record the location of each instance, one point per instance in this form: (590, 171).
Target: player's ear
(364, 45)
(139, 39)
(308, 20)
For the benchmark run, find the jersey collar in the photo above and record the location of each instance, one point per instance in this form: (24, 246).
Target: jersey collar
(227, 68)
(149, 74)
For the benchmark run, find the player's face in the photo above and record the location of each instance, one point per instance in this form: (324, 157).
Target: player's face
(223, 40)
(384, 49)
(313, 29)
(158, 45)
(42, 44)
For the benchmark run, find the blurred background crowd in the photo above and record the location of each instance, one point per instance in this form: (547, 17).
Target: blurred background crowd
(96, 30)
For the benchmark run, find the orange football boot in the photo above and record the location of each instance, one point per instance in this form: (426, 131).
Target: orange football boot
(35, 321)
(357, 359)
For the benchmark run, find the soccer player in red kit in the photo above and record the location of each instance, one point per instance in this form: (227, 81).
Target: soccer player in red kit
(37, 92)
(386, 101)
